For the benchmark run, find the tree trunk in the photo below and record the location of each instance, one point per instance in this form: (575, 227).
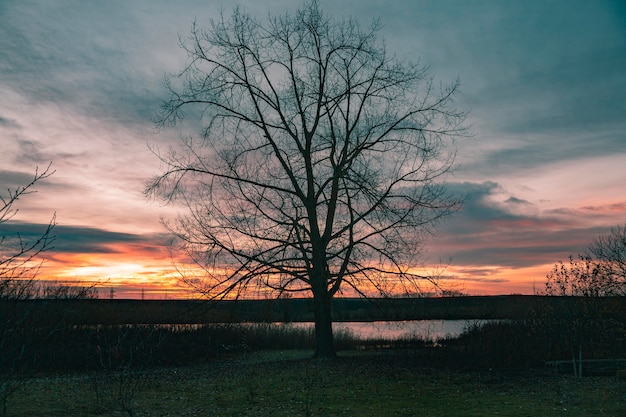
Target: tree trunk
(324, 345)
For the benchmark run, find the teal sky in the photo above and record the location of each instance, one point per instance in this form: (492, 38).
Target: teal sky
(545, 83)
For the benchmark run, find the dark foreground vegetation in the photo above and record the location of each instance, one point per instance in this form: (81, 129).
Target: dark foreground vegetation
(90, 311)
(279, 383)
(50, 365)
(503, 345)
(74, 335)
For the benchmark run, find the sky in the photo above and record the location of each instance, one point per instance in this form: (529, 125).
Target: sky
(544, 172)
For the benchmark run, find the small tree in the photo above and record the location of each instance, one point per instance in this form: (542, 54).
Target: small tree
(601, 271)
(580, 277)
(321, 160)
(591, 318)
(609, 250)
(19, 266)
(19, 263)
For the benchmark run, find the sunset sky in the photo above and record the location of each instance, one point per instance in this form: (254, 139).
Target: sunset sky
(545, 172)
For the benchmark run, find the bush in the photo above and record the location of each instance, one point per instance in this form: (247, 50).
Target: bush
(530, 343)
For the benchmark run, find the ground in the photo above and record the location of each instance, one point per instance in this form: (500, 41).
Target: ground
(289, 383)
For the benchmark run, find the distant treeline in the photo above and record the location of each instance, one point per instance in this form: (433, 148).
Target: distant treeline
(114, 312)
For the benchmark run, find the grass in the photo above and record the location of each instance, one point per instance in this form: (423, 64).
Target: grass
(289, 383)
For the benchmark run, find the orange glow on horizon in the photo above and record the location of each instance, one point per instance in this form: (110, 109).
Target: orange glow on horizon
(498, 280)
(119, 273)
(137, 276)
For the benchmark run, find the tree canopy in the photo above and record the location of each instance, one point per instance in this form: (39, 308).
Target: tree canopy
(321, 160)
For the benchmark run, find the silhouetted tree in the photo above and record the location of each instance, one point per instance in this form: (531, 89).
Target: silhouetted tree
(579, 277)
(609, 250)
(19, 263)
(590, 319)
(601, 271)
(321, 161)
(19, 266)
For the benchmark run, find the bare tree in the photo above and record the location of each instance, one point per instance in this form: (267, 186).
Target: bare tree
(19, 266)
(579, 277)
(610, 252)
(601, 271)
(19, 263)
(321, 161)
(591, 318)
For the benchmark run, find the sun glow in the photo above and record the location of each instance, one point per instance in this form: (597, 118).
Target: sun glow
(140, 271)
(159, 279)
(128, 270)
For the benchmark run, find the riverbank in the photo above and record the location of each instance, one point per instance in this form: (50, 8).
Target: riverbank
(116, 312)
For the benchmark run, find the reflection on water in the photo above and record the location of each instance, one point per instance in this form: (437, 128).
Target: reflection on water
(423, 329)
(389, 330)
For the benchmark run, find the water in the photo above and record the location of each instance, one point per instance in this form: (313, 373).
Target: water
(424, 329)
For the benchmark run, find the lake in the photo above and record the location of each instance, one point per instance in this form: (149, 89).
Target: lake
(425, 329)
(431, 330)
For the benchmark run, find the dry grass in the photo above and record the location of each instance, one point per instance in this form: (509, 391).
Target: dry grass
(288, 383)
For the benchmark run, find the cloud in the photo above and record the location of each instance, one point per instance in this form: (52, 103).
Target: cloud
(88, 240)
(75, 239)
(9, 123)
(14, 179)
(78, 55)
(544, 81)
(498, 229)
(81, 82)
(517, 201)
